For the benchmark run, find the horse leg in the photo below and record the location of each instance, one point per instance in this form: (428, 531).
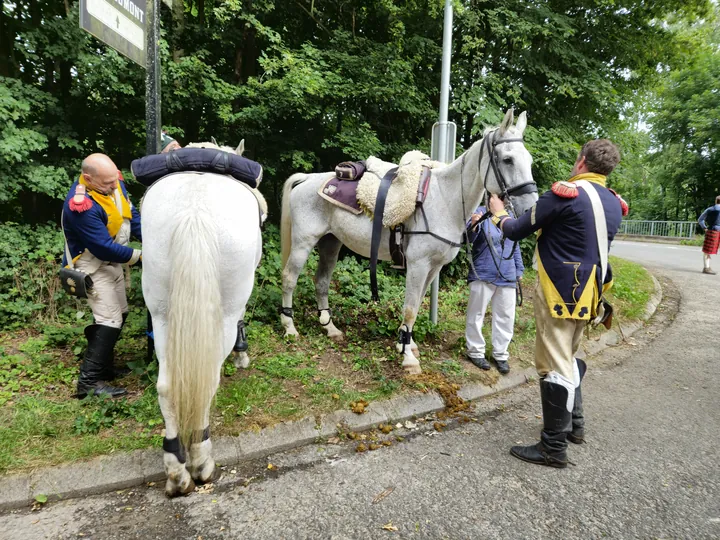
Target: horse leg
(329, 249)
(179, 481)
(431, 277)
(417, 274)
(240, 355)
(296, 261)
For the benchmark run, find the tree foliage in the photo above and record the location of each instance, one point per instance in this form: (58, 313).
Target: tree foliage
(309, 83)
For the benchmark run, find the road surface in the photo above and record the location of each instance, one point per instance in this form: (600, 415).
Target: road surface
(650, 469)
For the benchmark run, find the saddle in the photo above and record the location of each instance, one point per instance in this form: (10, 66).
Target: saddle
(148, 169)
(388, 193)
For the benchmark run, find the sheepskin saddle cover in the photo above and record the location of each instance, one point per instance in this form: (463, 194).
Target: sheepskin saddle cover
(401, 197)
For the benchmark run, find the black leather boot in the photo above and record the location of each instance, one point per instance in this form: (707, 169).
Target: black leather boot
(552, 448)
(577, 435)
(101, 340)
(113, 372)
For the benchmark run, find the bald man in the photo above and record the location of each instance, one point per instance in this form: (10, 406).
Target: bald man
(99, 219)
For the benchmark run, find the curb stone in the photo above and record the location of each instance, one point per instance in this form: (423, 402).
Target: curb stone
(125, 470)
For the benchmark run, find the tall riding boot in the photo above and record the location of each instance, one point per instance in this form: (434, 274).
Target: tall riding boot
(101, 340)
(111, 371)
(557, 420)
(577, 435)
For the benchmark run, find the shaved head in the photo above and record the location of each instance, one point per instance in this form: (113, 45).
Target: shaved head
(100, 173)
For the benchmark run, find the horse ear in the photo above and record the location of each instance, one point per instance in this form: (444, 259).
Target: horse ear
(507, 121)
(241, 148)
(522, 122)
(212, 140)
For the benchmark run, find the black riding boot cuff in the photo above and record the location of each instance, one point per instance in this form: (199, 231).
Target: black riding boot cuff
(577, 435)
(101, 340)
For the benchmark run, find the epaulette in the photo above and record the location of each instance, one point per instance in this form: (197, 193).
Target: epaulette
(566, 190)
(623, 204)
(80, 201)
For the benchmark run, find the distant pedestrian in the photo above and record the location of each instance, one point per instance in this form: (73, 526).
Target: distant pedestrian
(98, 219)
(497, 269)
(709, 220)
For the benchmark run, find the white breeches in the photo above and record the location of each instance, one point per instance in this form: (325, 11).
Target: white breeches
(503, 319)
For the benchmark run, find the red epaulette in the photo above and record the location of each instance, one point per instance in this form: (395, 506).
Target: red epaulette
(80, 201)
(120, 176)
(623, 204)
(566, 190)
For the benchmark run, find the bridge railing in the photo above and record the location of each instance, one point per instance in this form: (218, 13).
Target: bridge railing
(664, 229)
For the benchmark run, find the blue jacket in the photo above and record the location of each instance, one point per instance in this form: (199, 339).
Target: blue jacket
(567, 251)
(710, 218)
(88, 230)
(483, 261)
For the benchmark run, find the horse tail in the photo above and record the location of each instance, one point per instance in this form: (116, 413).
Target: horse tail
(195, 324)
(286, 218)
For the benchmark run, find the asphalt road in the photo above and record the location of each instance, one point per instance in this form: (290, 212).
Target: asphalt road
(650, 469)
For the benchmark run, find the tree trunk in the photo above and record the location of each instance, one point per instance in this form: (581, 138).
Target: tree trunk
(201, 12)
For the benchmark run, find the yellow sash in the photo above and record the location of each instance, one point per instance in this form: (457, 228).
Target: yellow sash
(115, 217)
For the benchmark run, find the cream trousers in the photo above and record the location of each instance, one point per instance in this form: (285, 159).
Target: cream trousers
(556, 340)
(109, 301)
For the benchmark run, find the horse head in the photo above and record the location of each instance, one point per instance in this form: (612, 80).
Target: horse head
(509, 164)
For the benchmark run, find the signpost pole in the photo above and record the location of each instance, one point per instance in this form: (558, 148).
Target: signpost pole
(153, 122)
(444, 100)
(152, 79)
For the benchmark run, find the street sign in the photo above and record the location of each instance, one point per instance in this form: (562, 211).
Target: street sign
(118, 23)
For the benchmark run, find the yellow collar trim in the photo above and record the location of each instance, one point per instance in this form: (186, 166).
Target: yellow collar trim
(591, 177)
(117, 212)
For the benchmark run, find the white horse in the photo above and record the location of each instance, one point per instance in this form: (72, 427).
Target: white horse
(201, 246)
(498, 163)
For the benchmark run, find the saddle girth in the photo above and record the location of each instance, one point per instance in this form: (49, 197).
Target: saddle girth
(377, 229)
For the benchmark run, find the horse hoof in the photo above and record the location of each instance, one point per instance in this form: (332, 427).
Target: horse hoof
(210, 478)
(337, 337)
(291, 335)
(174, 490)
(413, 370)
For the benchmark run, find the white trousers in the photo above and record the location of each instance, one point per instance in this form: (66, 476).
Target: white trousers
(503, 319)
(706, 260)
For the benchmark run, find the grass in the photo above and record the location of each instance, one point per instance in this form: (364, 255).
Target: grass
(41, 424)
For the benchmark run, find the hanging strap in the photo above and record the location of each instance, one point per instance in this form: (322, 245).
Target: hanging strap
(70, 262)
(600, 225)
(377, 229)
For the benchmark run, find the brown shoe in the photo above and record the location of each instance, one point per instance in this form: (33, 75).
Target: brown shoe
(709, 271)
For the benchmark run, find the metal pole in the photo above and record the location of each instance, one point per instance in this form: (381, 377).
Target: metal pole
(153, 123)
(444, 101)
(152, 79)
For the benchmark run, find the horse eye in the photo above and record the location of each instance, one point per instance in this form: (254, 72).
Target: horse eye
(507, 160)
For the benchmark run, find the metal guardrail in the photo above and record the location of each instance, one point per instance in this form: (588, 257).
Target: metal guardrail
(665, 229)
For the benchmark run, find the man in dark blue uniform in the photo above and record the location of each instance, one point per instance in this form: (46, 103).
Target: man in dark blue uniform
(98, 219)
(576, 221)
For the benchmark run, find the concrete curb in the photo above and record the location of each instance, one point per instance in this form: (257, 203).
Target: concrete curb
(125, 470)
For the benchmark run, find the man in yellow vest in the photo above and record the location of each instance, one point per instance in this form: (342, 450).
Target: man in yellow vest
(98, 220)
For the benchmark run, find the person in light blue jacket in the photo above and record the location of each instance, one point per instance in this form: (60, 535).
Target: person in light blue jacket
(493, 277)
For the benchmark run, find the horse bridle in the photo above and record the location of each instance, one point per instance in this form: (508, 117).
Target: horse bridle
(490, 142)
